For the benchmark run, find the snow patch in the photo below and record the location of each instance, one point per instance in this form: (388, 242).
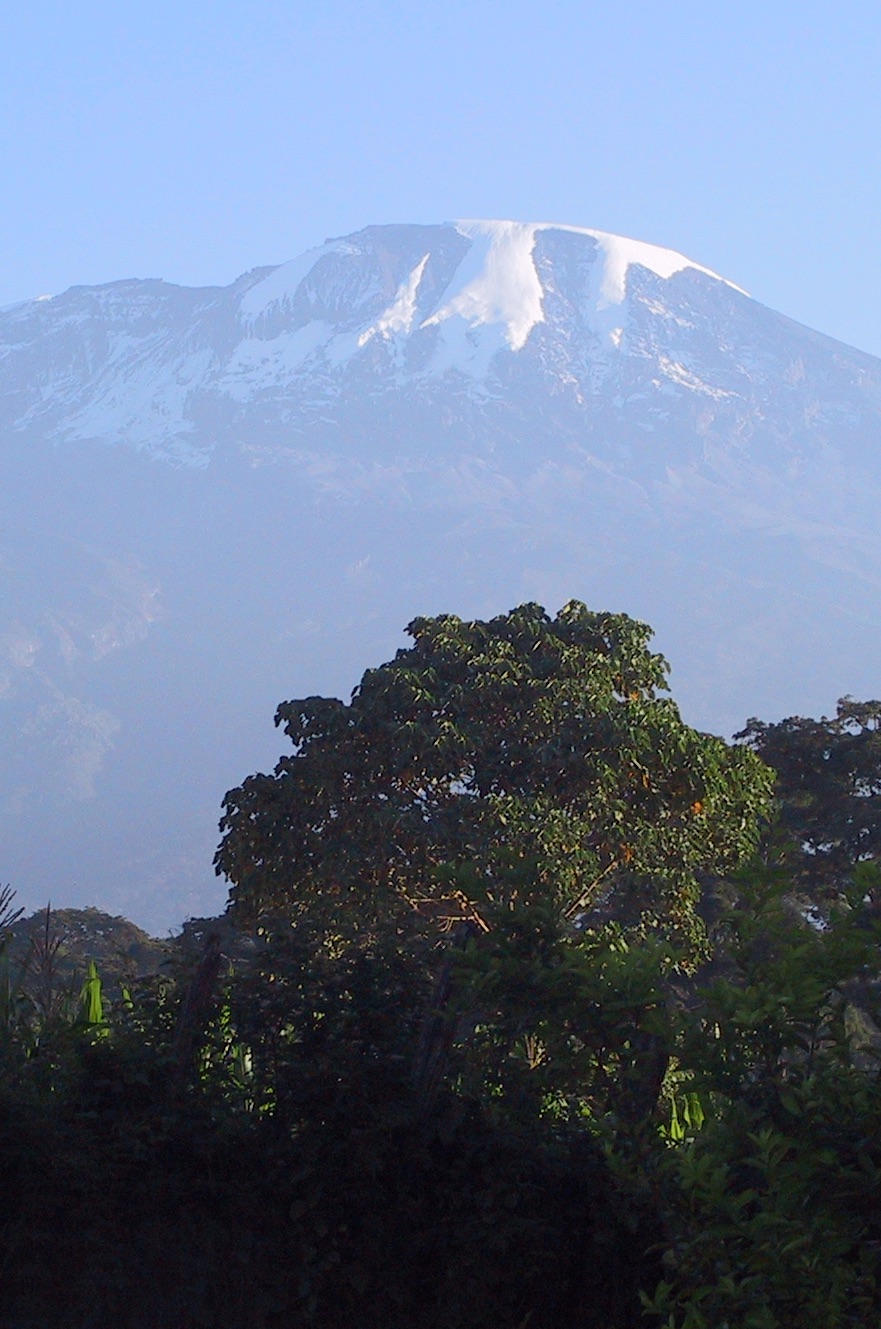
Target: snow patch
(814, 918)
(501, 285)
(620, 253)
(399, 316)
(142, 400)
(679, 373)
(282, 282)
(259, 365)
(497, 287)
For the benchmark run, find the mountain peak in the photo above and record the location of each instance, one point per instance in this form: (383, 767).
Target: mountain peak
(410, 419)
(495, 293)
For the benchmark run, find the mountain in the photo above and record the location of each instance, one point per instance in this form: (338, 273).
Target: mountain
(212, 500)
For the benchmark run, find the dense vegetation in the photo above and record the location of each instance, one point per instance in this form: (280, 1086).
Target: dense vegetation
(533, 1007)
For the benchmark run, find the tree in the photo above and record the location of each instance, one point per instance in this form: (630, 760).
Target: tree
(828, 789)
(489, 767)
(770, 1201)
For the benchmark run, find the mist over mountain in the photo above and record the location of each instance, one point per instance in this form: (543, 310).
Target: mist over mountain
(212, 500)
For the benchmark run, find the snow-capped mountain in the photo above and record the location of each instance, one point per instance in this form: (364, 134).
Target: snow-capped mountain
(215, 499)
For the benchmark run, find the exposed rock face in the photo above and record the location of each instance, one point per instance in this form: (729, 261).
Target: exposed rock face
(214, 499)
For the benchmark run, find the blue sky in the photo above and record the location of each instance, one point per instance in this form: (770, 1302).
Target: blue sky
(195, 140)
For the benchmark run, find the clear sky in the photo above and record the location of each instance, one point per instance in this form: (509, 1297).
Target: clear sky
(194, 140)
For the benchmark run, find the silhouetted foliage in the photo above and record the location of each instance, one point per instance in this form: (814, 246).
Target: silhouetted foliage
(828, 787)
(301, 1185)
(465, 1071)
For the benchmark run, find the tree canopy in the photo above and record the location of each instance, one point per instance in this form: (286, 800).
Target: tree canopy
(828, 789)
(488, 763)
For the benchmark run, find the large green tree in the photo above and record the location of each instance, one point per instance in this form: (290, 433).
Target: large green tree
(490, 766)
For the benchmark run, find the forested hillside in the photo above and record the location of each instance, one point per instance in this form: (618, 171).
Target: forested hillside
(532, 1008)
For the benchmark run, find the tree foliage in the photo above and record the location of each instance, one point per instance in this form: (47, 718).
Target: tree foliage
(483, 746)
(772, 1205)
(279, 1170)
(828, 788)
